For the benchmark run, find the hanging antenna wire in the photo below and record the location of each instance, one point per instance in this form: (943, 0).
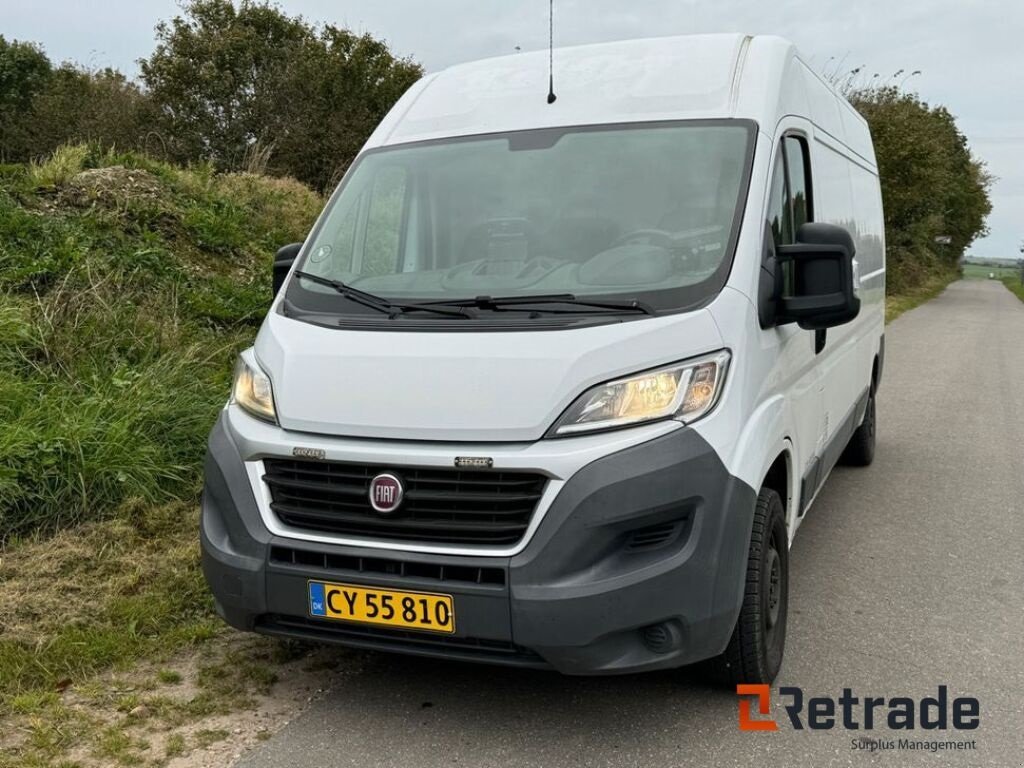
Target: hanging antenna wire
(551, 52)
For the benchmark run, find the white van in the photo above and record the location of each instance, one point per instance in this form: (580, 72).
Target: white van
(554, 384)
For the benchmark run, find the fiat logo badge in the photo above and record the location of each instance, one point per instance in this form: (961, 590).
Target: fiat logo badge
(386, 493)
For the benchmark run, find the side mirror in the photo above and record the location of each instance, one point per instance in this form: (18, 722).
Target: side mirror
(822, 293)
(283, 260)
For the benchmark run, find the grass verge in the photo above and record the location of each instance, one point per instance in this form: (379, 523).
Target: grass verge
(100, 596)
(110, 653)
(1015, 285)
(929, 289)
(127, 286)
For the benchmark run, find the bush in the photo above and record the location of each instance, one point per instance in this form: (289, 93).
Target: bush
(24, 72)
(932, 187)
(245, 87)
(250, 87)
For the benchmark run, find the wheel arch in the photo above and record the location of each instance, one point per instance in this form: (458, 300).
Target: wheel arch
(766, 455)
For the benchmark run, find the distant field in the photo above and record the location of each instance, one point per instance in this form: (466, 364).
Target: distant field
(981, 272)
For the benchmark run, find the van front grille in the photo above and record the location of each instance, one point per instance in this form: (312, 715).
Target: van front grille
(448, 506)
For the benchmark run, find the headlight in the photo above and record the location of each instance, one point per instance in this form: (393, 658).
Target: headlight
(252, 389)
(684, 391)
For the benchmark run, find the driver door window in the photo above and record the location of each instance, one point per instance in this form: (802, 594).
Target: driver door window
(789, 205)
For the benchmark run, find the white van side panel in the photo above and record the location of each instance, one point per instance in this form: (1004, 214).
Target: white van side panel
(796, 400)
(869, 235)
(844, 377)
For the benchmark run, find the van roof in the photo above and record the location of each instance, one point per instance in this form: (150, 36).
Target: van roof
(666, 78)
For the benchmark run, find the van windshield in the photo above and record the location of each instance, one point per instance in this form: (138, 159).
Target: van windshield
(642, 212)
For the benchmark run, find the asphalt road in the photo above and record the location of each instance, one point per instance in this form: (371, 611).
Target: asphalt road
(906, 575)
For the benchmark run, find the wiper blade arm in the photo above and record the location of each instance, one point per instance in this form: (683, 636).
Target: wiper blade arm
(526, 303)
(360, 297)
(374, 301)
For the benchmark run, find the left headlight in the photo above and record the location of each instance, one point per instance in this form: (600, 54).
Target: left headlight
(684, 391)
(252, 389)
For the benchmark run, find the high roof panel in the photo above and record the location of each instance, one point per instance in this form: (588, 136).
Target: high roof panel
(668, 78)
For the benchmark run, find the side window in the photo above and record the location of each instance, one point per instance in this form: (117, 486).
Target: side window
(779, 217)
(790, 203)
(799, 180)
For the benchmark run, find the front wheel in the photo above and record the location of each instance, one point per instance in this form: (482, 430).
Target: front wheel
(754, 653)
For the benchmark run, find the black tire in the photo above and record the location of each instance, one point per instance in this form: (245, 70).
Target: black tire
(860, 451)
(754, 653)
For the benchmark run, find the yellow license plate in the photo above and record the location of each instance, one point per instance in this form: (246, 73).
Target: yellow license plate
(368, 605)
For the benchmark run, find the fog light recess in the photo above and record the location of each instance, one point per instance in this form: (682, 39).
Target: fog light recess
(662, 638)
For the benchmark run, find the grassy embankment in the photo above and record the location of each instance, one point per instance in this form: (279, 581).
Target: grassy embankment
(127, 287)
(930, 287)
(1015, 286)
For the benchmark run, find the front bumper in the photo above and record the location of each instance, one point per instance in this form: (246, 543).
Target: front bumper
(600, 587)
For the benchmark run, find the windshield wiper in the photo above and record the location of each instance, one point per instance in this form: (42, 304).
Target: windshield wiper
(528, 304)
(373, 301)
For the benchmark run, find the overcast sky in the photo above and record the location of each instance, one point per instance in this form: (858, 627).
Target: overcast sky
(970, 52)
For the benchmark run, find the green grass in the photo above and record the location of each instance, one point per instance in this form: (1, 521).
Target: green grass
(95, 656)
(99, 597)
(931, 287)
(175, 746)
(1015, 286)
(127, 287)
(168, 677)
(65, 162)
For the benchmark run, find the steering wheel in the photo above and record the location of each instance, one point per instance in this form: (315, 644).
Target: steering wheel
(659, 237)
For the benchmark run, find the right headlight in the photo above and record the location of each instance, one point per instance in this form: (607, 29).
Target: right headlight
(684, 391)
(252, 389)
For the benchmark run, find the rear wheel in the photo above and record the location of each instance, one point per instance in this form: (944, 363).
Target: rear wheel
(754, 653)
(860, 451)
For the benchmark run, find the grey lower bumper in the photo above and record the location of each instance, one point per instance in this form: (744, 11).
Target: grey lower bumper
(598, 572)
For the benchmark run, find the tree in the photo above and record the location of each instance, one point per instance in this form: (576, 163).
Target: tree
(42, 106)
(24, 71)
(101, 107)
(230, 79)
(931, 184)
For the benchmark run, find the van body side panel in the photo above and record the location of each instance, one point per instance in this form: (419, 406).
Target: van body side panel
(844, 372)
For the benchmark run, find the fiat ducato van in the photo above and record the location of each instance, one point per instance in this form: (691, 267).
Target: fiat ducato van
(553, 384)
